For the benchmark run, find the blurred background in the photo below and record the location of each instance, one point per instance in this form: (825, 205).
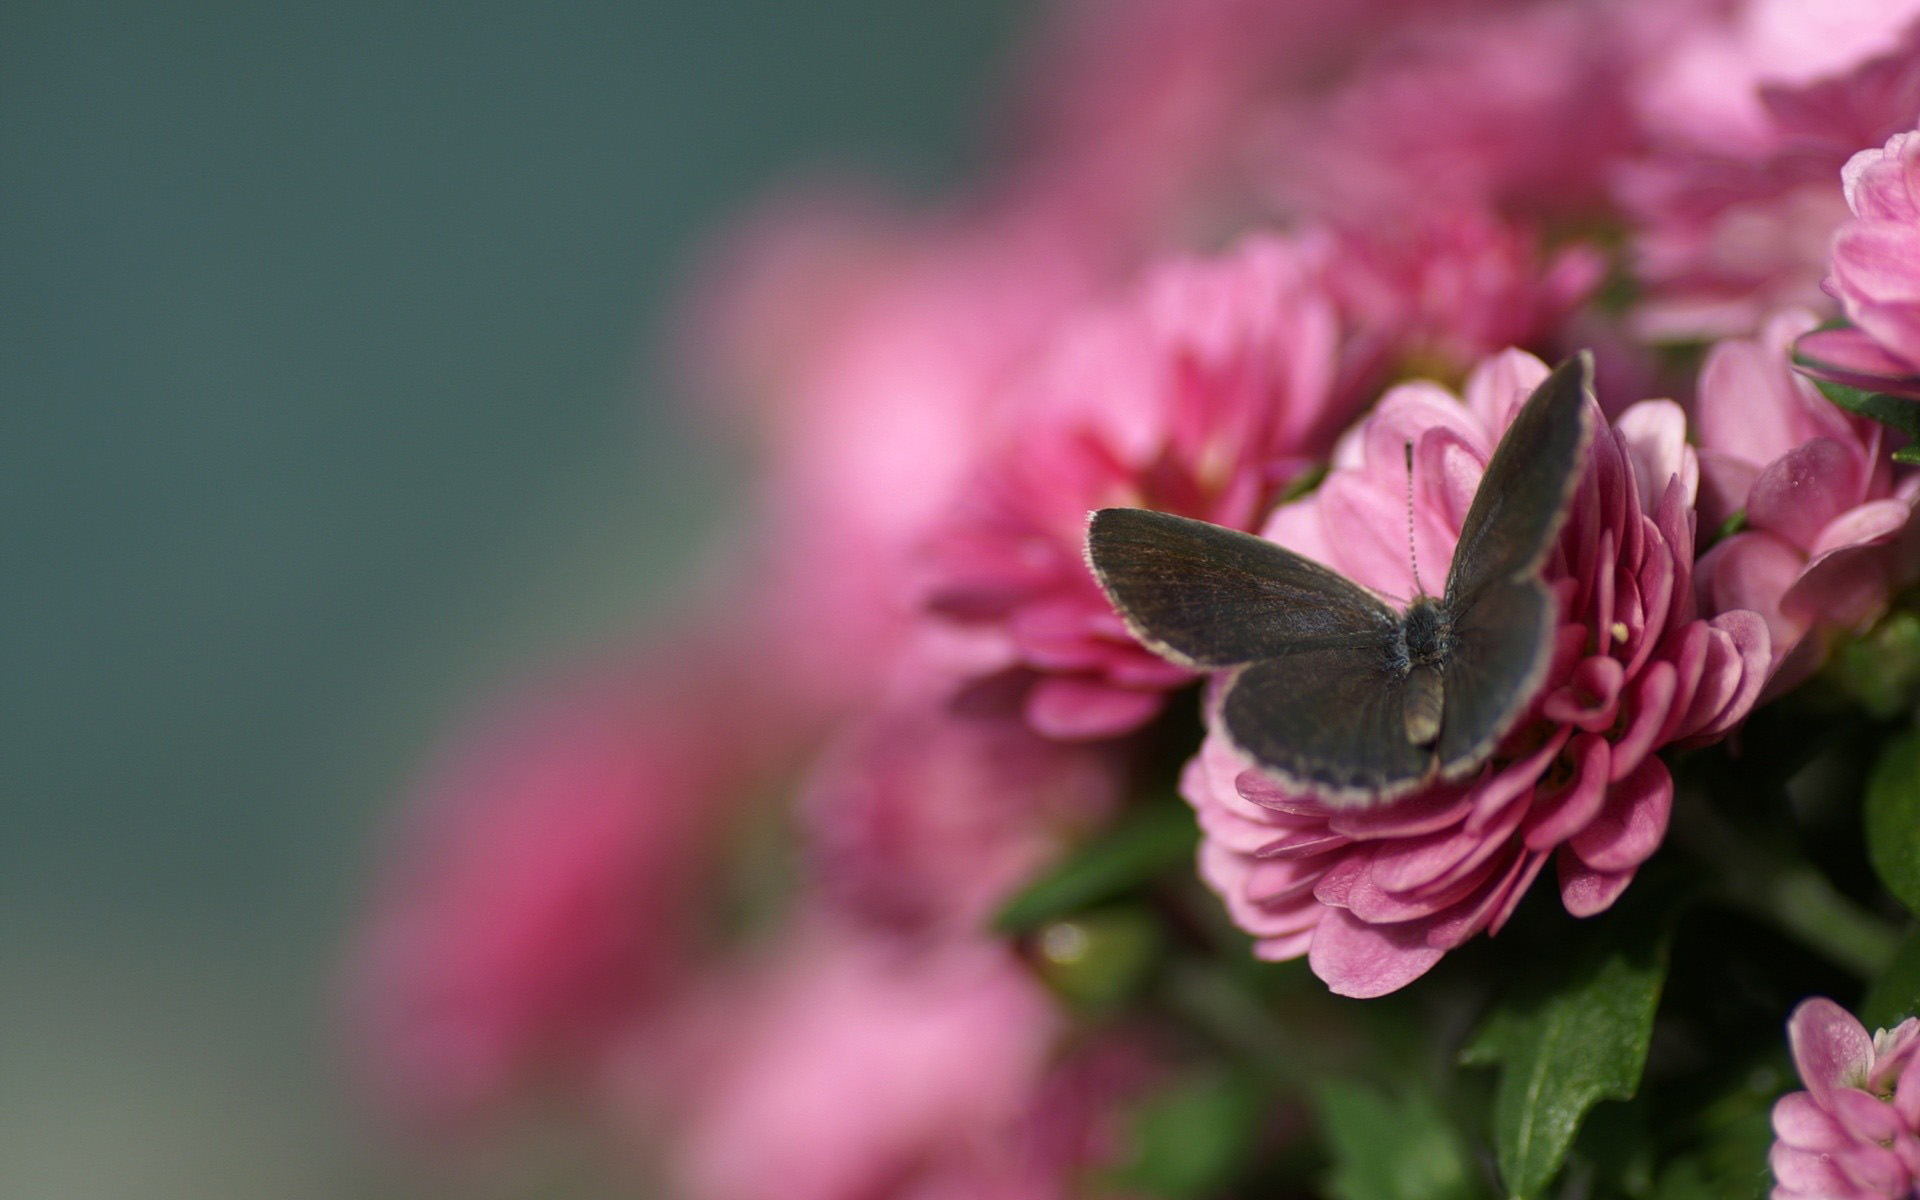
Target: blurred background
(335, 396)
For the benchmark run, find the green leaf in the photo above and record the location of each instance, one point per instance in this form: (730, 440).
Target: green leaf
(1387, 1148)
(1898, 412)
(1194, 1139)
(1895, 996)
(1156, 840)
(1893, 819)
(1576, 1035)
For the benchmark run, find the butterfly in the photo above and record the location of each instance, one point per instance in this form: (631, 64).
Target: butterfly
(1330, 689)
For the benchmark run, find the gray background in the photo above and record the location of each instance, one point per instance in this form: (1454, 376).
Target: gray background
(330, 402)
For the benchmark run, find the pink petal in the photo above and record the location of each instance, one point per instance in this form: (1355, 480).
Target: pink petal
(1743, 407)
(1632, 824)
(1587, 700)
(1812, 1175)
(1865, 1118)
(1830, 1048)
(1753, 570)
(1724, 484)
(1800, 1122)
(1853, 359)
(1655, 435)
(1652, 705)
(1585, 891)
(1735, 669)
(1075, 708)
(1856, 565)
(1559, 816)
(1798, 493)
(1360, 960)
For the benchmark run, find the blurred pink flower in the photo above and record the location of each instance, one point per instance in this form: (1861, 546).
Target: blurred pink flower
(1152, 119)
(1466, 111)
(874, 427)
(1876, 275)
(539, 889)
(847, 1066)
(1830, 531)
(1750, 116)
(1204, 395)
(1375, 896)
(1854, 1133)
(921, 816)
(1443, 288)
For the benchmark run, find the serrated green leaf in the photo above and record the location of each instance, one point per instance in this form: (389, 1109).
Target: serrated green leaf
(1576, 1036)
(1895, 996)
(1388, 1148)
(1152, 842)
(1893, 819)
(1194, 1139)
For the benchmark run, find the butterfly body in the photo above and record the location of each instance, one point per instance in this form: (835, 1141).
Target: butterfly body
(1425, 637)
(1328, 687)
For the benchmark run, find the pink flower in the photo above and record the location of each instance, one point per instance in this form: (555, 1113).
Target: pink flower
(1216, 385)
(846, 1066)
(1854, 1133)
(1750, 117)
(1830, 531)
(1444, 289)
(1876, 275)
(1375, 896)
(1153, 119)
(1466, 111)
(537, 893)
(922, 816)
(877, 343)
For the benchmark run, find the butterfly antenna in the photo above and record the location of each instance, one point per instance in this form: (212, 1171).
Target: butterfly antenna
(1413, 558)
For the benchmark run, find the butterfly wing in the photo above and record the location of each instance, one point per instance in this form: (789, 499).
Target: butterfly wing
(1523, 497)
(1501, 614)
(1330, 721)
(1208, 597)
(1502, 645)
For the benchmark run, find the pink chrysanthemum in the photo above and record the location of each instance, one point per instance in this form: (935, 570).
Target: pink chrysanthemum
(1375, 896)
(1750, 114)
(1475, 106)
(840, 1065)
(1830, 531)
(1446, 288)
(920, 817)
(1854, 1133)
(1204, 396)
(537, 895)
(1876, 275)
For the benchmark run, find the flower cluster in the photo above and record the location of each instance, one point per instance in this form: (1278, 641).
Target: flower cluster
(845, 896)
(1374, 896)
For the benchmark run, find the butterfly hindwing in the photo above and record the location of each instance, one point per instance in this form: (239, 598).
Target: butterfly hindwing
(1502, 645)
(1211, 597)
(1331, 721)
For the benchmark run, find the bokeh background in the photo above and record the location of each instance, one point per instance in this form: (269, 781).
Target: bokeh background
(335, 392)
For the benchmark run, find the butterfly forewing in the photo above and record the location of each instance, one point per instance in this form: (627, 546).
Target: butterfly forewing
(1332, 721)
(1522, 500)
(1212, 597)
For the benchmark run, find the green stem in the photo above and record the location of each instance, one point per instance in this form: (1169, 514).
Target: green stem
(1800, 900)
(1790, 894)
